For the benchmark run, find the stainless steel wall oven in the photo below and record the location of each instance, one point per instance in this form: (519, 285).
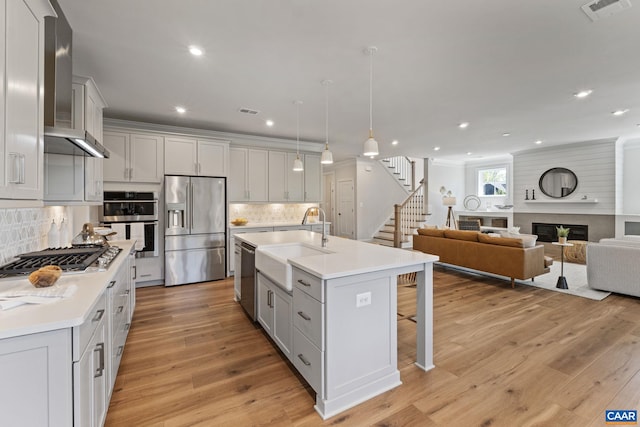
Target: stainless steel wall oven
(135, 216)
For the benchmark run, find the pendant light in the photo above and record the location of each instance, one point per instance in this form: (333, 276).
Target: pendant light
(327, 156)
(371, 145)
(297, 163)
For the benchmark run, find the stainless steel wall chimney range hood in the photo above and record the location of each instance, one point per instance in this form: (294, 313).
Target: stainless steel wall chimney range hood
(59, 135)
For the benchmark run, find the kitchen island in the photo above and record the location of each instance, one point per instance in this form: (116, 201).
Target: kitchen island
(334, 315)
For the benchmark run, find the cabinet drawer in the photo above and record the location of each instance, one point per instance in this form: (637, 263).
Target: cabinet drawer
(82, 334)
(308, 361)
(308, 317)
(309, 284)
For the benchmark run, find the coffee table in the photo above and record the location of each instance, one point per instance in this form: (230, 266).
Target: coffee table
(562, 281)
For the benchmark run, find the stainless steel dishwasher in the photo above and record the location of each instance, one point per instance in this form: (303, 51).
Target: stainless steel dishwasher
(248, 280)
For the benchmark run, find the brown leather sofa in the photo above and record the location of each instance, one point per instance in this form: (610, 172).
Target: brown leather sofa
(498, 255)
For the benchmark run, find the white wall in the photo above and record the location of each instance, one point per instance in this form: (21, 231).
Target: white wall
(452, 177)
(592, 162)
(377, 191)
(631, 178)
(471, 179)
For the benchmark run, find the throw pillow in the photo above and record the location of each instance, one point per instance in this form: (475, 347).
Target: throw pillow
(528, 240)
(502, 241)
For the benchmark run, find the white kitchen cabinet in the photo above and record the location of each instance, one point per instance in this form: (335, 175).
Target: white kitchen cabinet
(88, 105)
(312, 178)
(149, 269)
(291, 227)
(275, 313)
(134, 157)
(90, 372)
(248, 175)
(285, 185)
(63, 178)
(21, 96)
(118, 307)
(36, 387)
(190, 156)
(93, 179)
(87, 113)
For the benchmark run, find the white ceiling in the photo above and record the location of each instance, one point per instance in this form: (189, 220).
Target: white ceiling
(501, 65)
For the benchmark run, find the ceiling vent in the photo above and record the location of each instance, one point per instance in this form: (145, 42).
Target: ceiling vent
(599, 9)
(248, 111)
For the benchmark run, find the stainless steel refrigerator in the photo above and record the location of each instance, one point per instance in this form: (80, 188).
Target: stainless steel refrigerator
(195, 229)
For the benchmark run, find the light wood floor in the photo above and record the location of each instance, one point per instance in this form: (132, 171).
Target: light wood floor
(504, 357)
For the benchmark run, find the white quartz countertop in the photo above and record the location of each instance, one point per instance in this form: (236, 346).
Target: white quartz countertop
(67, 312)
(348, 257)
(273, 224)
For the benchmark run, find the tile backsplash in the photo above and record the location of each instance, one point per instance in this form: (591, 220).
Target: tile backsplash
(272, 212)
(25, 230)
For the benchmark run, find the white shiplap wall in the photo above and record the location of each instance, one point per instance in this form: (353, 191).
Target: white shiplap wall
(592, 162)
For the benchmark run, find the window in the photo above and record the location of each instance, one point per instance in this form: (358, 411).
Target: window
(492, 182)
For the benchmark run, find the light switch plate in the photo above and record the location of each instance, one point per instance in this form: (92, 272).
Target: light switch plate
(363, 299)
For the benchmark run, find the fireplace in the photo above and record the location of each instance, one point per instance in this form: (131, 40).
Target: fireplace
(547, 232)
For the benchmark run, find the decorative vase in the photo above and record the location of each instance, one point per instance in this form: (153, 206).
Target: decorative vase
(562, 240)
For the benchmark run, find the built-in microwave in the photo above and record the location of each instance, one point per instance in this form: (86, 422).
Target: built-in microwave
(129, 206)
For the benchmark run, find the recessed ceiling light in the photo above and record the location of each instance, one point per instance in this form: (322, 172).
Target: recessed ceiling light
(181, 110)
(394, 142)
(506, 134)
(538, 142)
(583, 93)
(195, 51)
(269, 123)
(438, 148)
(620, 112)
(463, 125)
(469, 153)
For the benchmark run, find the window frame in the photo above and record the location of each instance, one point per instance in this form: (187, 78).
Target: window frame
(482, 169)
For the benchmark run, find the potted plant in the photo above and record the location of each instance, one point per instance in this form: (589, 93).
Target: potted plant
(563, 233)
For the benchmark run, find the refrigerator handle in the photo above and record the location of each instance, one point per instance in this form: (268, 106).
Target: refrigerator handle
(190, 205)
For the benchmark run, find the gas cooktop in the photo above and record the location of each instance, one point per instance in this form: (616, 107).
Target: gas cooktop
(71, 259)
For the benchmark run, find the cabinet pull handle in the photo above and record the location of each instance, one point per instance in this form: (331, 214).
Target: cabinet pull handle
(135, 272)
(120, 350)
(304, 360)
(303, 315)
(303, 283)
(120, 308)
(100, 349)
(111, 283)
(127, 326)
(127, 292)
(17, 170)
(269, 296)
(98, 316)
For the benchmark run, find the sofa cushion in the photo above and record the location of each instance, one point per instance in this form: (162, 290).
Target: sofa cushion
(528, 240)
(471, 236)
(433, 232)
(502, 241)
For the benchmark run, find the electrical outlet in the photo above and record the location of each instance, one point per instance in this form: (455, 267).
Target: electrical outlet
(363, 299)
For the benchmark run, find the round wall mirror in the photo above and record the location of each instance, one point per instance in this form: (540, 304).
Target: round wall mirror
(558, 182)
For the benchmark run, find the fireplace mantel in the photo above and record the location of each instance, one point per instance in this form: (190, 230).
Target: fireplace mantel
(591, 201)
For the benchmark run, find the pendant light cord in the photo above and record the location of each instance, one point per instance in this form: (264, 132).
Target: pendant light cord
(298, 128)
(371, 51)
(327, 114)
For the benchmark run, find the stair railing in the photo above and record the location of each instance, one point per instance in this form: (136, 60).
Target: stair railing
(408, 214)
(403, 168)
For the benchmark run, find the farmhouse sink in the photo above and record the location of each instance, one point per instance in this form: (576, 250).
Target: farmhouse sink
(273, 261)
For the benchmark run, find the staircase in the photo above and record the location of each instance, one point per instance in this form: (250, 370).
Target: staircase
(398, 230)
(407, 217)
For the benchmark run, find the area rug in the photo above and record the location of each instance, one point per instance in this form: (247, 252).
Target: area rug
(576, 275)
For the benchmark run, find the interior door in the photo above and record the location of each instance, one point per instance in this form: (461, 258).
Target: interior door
(345, 219)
